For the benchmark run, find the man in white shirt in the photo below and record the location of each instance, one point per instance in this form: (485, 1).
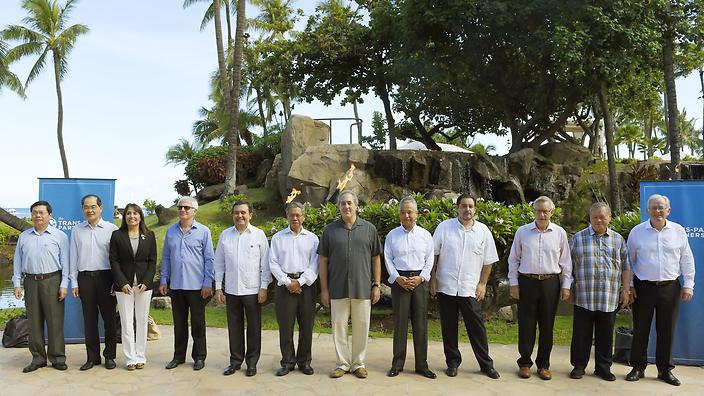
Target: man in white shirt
(408, 252)
(241, 260)
(540, 254)
(464, 254)
(293, 261)
(92, 280)
(659, 253)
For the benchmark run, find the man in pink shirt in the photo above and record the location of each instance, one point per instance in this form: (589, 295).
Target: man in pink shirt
(539, 256)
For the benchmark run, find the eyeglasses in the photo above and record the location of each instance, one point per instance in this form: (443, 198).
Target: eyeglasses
(184, 207)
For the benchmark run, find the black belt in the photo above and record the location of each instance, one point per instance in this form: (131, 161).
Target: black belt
(658, 283)
(540, 276)
(38, 277)
(409, 273)
(92, 274)
(295, 275)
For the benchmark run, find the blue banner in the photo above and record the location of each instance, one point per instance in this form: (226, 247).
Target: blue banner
(686, 207)
(65, 195)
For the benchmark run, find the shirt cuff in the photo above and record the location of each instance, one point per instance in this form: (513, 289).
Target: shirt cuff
(688, 285)
(218, 285)
(392, 278)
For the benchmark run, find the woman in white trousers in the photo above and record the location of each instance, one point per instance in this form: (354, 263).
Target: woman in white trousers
(133, 262)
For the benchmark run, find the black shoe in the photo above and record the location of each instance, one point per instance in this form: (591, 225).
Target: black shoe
(198, 364)
(306, 369)
(59, 366)
(393, 372)
(606, 376)
(87, 366)
(110, 364)
(669, 378)
(451, 371)
(577, 373)
(32, 367)
(251, 371)
(635, 375)
(491, 373)
(173, 364)
(230, 370)
(282, 371)
(426, 373)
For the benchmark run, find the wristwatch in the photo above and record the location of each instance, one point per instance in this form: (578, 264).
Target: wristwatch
(376, 284)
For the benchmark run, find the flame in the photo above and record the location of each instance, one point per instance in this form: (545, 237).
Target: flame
(293, 195)
(342, 182)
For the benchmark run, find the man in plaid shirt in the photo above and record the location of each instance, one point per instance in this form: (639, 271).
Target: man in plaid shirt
(601, 272)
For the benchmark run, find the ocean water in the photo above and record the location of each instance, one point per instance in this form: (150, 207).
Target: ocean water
(22, 213)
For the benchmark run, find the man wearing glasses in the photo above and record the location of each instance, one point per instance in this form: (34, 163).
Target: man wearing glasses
(187, 270)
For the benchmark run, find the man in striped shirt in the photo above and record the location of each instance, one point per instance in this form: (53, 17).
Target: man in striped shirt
(601, 275)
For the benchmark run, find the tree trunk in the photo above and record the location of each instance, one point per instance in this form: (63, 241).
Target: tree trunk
(614, 195)
(228, 23)
(701, 83)
(358, 122)
(13, 221)
(383, 93)
(60, 121)
(262, 116)
(672, 127)
(232, 135)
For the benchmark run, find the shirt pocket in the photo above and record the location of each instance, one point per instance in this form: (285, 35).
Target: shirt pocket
(194, 245)
(479, 247)
(253, 256)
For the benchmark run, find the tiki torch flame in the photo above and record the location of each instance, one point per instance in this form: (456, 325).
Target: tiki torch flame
(342, 182)
(293, 195)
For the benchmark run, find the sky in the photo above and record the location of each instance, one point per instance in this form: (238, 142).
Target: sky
(133, 88)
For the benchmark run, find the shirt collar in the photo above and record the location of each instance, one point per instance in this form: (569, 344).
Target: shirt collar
(461, 226)
(100, 224)
(648, 225)
(47, 230)
(290, 231)
(550, 227)
(593, 233)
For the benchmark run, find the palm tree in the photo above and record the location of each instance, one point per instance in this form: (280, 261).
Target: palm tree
(276, 18)
(14, 222)
(7, 78)
(688, 132)
(47, 32)
(209, 15)
(631, 136)
(182, 152)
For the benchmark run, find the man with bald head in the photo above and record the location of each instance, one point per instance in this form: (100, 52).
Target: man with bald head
(659, 253)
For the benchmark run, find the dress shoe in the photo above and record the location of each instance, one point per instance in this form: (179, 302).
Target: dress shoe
(426, 373)
(139, 366)
(491, 373)
(393, 372)
(337, 373)
(606, 376)
(635, 375)
(251, 371)
(59, 366)
(198, 364)
(451, 371)
(110, 364)
(306, 369)
(524, 372)
(131, 367)
(33, 367)
(87, 366)
(577, 373)
(230, 370)
(282, 371)
(173, 364)
(544, 374)
(361, 373)
(669, 378)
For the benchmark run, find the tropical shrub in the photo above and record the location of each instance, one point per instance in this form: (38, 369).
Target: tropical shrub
(624, 223)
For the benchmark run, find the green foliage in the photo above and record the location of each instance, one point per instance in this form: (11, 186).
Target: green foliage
(182, 187)
(624, 223)
(378, 138)
(149, 206)
(9, 313)
(226, 202)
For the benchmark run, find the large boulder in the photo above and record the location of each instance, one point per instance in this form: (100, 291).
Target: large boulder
(566, 153)
(210, 193)
(300, 134)
(272, 177)
(165, 215)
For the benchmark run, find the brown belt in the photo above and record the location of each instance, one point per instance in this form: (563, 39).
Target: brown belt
(38, 277)
(540, 276)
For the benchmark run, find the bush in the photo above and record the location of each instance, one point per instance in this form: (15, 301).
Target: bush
(149, 206)
(624, 223)
(208, 167)
(182, 188)
(226, 202)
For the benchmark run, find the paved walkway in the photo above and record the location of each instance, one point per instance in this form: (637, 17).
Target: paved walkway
(154, 379)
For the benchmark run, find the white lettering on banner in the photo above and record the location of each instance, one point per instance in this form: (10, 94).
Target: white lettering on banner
(694, 232)
(64, 225)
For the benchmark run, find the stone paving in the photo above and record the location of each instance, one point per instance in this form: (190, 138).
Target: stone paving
(154, 379)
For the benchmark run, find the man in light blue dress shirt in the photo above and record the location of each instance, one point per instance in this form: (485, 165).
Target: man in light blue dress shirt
(41, 259)
(187, 269)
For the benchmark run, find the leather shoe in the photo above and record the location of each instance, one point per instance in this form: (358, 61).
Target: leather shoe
(230, 370)
(173, 364)
(59, 366)
(524, 372)
(635, 375)
(491, 373)
(110, 364)
(307, 369)
(393, 372)
(544, 374)
(337, 373)
(87, 366)
(426, 373)
(669, 378)
(282, 371)
(32, 367)
(577, 373)
(251, 371)
(361, 372)
(451, 371)
(198, 364)
(607, 376)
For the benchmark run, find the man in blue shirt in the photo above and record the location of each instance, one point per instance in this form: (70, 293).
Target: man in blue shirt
(187, 269)
(41, 259)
